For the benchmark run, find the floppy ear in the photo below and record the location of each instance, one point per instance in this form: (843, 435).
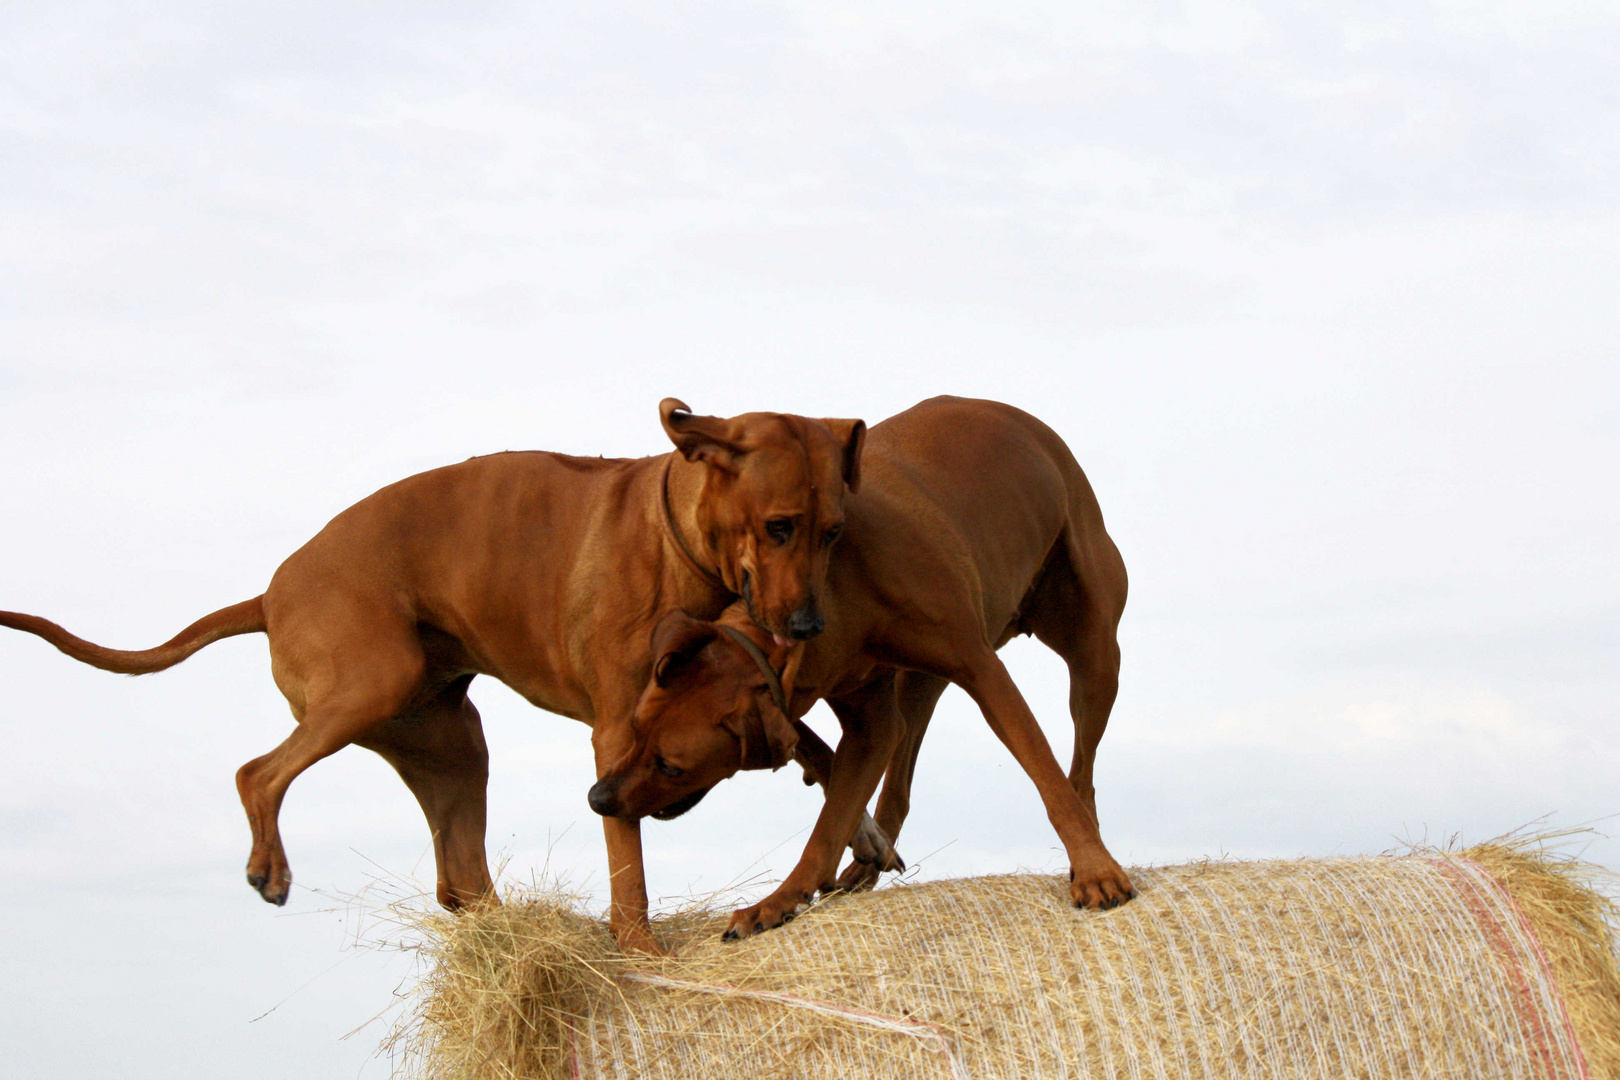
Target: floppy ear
(852, 434)
(675, 641)
(780, 735)
(768, 739)
(699, 438)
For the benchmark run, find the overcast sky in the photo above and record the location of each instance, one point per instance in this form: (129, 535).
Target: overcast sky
(1322, 298)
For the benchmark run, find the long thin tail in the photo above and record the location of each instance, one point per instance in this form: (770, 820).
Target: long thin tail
(244, 618)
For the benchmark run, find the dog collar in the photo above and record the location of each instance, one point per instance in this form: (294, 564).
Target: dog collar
(685, 552)
(772, 679)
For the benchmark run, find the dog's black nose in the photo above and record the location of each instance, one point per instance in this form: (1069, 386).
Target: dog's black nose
(603, 797)
(806, 622)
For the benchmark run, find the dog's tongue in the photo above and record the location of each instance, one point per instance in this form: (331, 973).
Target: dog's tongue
(780, 640)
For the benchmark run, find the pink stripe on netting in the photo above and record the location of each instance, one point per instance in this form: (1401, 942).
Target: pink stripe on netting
(931, 1035)
(1531, 1014)
(1546, 966)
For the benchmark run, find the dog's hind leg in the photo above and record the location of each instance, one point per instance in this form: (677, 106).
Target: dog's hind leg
(1096, 879)
(438, 749)
(362, 685)
(1074, 610)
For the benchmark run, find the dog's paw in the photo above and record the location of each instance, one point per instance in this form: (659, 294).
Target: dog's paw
(771, 912)
(638, 939)
(858, 876)
(269, 874)
(872, 845)
(273, 887)
(1099, 883)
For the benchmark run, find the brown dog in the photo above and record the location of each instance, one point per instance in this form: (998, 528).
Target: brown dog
(974, 523)
(544, 571)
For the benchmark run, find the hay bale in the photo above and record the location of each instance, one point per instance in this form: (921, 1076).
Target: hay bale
(1496, 961)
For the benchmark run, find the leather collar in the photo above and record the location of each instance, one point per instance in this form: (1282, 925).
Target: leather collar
(772, 679)
(685, 552)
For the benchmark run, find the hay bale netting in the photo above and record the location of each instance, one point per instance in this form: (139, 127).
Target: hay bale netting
(1492, 962)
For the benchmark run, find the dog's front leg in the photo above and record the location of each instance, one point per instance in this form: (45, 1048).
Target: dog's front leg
(872, 845)
(628, 915)
(627, 875)
(871, 723)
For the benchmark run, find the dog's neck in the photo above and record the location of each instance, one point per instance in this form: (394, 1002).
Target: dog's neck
(679, 486)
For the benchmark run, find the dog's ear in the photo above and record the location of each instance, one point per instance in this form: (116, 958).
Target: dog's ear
(851, 434)
(675, 641)
(768, 738)
(780, 735)
(700, 438)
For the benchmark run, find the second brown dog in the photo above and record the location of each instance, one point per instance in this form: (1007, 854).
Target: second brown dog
(973, 524)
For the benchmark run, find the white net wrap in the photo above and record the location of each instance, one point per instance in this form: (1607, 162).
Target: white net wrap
(1351, 967)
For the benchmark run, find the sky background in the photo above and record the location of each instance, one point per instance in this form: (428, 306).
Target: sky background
(1321, 296)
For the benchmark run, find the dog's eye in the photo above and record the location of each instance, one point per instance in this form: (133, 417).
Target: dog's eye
(779, 529)
(667, 769)
(832, 534)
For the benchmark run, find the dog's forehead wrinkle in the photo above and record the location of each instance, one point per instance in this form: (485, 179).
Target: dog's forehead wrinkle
(761, 431)
(804, 453)
(774, 485)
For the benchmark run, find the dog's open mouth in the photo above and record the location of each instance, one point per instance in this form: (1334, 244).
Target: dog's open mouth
(680, 806)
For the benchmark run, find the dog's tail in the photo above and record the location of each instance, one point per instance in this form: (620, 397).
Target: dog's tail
(244, 618)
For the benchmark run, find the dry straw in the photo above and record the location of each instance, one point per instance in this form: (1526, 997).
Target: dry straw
(1494, 961)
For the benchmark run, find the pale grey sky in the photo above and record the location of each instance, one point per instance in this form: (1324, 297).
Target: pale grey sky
(1322, 299)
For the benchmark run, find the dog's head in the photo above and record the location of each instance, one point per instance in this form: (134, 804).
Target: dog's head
(707, 712)
(771, 506)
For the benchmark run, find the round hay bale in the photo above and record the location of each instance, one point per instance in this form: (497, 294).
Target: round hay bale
(1493, 962)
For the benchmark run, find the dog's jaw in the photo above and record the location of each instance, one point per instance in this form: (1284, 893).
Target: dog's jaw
(681, 805)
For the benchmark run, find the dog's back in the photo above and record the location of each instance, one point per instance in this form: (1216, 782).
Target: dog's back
(973, 498)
